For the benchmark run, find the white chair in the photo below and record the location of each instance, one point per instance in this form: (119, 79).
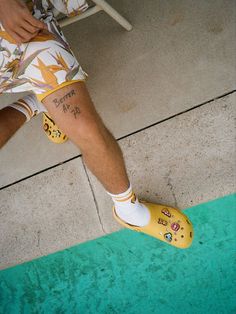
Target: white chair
(98, 6)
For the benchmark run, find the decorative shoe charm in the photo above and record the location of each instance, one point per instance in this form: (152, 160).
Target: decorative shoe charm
(52, 131)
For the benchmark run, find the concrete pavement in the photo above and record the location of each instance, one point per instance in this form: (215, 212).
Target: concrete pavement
(162, 76)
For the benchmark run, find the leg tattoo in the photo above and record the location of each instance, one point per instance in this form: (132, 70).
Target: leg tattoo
(67, 108)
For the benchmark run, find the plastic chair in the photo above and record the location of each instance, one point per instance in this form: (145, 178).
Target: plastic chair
(99, 5)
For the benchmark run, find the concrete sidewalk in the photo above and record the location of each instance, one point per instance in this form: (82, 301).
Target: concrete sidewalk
(167, 92)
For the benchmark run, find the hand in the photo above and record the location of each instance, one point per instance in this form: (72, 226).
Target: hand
(18, 21)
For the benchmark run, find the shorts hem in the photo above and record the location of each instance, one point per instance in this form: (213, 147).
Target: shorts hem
(41, 97)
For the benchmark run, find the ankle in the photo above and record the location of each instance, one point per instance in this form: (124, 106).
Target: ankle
(120, 190)
(11, 118)
(14, 116)
(128, 208)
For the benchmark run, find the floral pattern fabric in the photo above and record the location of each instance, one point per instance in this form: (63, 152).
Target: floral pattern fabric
(45, 62)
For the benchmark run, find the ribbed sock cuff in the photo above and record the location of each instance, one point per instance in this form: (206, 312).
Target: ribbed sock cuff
(122, 195)
(28, 105)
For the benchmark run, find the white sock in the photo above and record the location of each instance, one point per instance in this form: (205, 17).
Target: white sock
(129, 209)
(29, 105)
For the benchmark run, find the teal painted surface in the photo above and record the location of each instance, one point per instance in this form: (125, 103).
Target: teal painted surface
(130, 272)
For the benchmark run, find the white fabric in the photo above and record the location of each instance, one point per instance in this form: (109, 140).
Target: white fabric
(32, 102)
(134, 213)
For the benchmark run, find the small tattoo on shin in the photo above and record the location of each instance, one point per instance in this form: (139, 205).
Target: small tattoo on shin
(59, 101)
(75, 111)
(65, 106)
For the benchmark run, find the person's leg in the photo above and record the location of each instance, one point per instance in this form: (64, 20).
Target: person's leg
(16, 114)
(10, 121)
(73, 111)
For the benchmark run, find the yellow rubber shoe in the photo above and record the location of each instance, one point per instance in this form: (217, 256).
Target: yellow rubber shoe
(167, 224)
(52, 131)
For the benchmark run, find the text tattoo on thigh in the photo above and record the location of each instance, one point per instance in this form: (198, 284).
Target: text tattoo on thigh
(62, 102)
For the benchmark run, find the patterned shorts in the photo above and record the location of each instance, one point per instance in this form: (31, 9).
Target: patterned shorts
(46, 63)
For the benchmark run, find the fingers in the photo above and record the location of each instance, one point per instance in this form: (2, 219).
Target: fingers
(15, 36)
(21, 35)
(25, 35)
(28, 27)
(19, 22)
(33, 21)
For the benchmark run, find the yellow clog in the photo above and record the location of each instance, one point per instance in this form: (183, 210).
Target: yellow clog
(167, 224)
(52, 131)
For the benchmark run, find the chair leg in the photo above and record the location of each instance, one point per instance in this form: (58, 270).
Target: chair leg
(114, 14)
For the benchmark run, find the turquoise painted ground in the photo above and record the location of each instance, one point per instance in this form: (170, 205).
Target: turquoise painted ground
(129, 272)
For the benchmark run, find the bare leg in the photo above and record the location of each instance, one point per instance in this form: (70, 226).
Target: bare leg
(10, 121)
(73, 111)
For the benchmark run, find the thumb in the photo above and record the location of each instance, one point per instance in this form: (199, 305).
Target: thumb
(42, 25)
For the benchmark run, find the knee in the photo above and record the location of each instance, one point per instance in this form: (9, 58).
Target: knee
(91, 130)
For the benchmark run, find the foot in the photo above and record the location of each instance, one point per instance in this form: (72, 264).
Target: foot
(166, 224)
